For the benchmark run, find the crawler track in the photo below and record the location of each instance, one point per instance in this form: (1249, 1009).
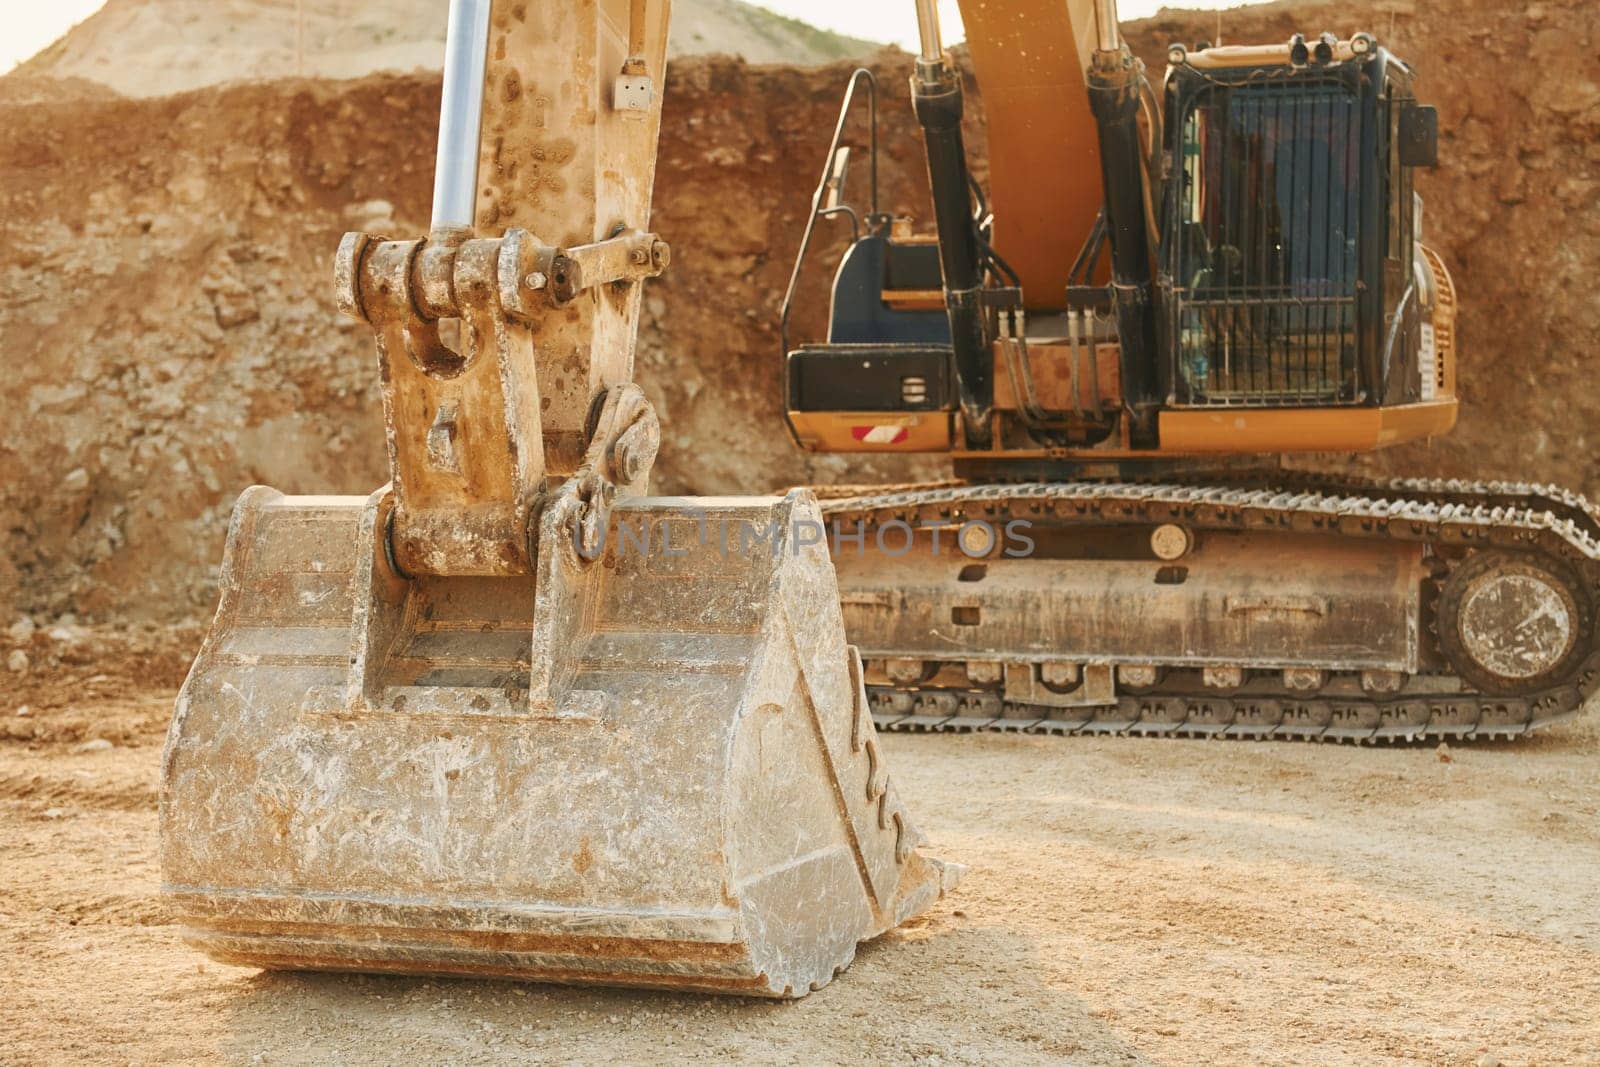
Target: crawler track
(1455, 517)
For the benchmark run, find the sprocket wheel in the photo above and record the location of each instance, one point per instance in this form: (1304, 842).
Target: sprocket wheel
(1512, 623)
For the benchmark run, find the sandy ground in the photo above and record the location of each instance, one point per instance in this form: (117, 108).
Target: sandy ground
(1129, 901)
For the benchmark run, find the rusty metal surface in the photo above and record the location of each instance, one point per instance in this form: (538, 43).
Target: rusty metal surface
(1478, 535)
(496, 345)
(560, 161)
(657, 770)
(471, 456)
(1517, 625)
(509, 716)
(1512, 621)
(1257, 600)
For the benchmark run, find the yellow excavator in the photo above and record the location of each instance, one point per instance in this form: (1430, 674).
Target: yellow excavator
(511, 716)
(508, 715)
(1164, 290)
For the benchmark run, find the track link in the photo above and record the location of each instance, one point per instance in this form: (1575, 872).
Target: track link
(1449, 515)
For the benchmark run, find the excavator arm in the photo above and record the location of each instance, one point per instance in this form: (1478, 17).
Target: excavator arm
(1045, 186)
(1064, 140)
(508, 715)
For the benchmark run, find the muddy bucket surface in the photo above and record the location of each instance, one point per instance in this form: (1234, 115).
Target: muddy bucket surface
(657, 769)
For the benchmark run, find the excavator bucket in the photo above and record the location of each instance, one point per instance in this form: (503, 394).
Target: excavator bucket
(357, 778)
(508, 716)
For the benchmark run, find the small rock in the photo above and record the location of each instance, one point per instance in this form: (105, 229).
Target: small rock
(1444, 753)
(1488, 1059)
(17, 662)
(55, 813)
(24, 711)
(76, 482)
(22, 630)
(1511, 183)
(231, 299)
(370, 212)
(63, 634)
(99, 744)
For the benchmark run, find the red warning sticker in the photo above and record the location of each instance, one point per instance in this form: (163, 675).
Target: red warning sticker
(880, 435)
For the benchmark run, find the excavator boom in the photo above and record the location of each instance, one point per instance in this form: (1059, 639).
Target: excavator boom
(1044, 151)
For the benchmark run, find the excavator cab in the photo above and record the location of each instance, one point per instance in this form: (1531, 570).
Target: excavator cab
(1288, 259)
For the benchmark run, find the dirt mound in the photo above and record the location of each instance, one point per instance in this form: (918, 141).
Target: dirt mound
(166, 311)
(155, 47)
(20, 88)
(164, 284)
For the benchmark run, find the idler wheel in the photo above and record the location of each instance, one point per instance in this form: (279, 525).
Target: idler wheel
(1514, 623)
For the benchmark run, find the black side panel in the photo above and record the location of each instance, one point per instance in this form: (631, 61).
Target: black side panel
(913, 267)
(870, 378)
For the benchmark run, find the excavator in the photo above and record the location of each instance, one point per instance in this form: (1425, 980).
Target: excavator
(509, 715)
(1162, 292)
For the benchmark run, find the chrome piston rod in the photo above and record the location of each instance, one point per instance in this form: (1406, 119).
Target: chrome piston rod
(1108, 38)
(455, 179)
(928, 29)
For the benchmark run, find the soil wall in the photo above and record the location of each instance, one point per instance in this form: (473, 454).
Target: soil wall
(169, 328)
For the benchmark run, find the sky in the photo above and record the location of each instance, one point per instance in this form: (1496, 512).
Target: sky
(896, 20)
(37, 24)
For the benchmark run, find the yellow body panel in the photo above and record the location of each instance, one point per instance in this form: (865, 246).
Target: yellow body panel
(1044, 151)
(885, 431)
(1234, 431)
(914, 299)
(1246, 430)
(1099, 385)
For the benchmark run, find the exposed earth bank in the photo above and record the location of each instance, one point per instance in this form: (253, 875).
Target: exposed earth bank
(169, 324)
